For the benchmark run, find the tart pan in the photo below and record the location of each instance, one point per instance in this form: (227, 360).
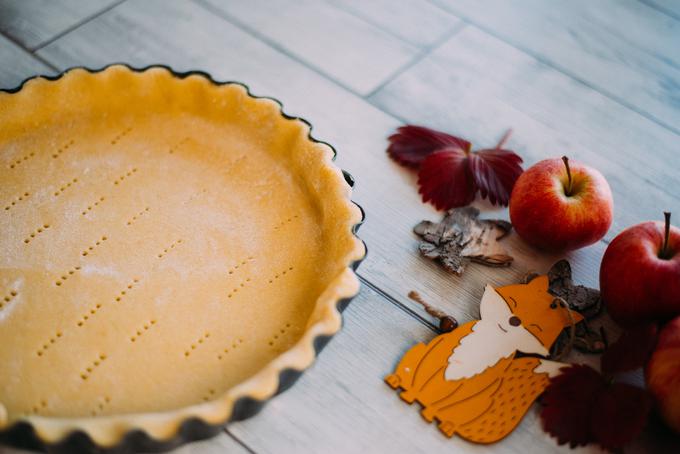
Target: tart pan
(227, 190)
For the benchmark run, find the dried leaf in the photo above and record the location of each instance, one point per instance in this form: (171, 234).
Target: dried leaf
(462, 237)
(450, 174)
(567, 404)
(410, 145)
(445, 179)
(581, 407)
(631, 350)
(495, 172)
(619, 415)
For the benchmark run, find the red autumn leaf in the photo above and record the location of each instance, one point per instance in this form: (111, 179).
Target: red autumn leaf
(450, 174)
(568, 404)
(631, 350)
(410, 145)
(495, 172)
(581, 407)
(446, 180)
(619, 415)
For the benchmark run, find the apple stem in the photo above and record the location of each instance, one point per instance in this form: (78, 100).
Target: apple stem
(566, 164)
(665, 253)
(504, 139)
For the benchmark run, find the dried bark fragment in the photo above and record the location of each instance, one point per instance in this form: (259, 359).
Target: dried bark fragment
(461, 237)
(582, 299)
(586, 339)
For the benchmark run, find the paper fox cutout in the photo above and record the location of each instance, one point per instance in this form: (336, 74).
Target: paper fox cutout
(470, 380)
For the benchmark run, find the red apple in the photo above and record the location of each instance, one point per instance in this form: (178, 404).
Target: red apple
(560, 205)
(640, 273)
(662, 374)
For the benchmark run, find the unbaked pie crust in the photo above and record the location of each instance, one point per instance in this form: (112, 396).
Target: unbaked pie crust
(168, 245)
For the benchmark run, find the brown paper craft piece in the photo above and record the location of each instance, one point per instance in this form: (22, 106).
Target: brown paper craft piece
(471, 380)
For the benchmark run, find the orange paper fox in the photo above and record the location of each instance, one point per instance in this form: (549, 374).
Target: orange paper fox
(470, 379)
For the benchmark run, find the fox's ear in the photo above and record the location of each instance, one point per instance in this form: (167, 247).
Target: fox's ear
(540, 282)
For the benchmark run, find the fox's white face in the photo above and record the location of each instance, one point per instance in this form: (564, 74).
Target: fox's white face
(497, 335)
(494, 309)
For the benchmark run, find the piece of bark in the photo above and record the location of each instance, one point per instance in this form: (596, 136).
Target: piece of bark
(585, 300)
(582, 299)
(587, 339)
(461, 237)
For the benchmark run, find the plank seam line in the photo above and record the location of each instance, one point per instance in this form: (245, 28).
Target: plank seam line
(660, 9)
(397, 303)
(211, 9)
(78, 24)
(270, 42)
(274, 45)
(367, 20)
(238, 440)
(569, 74)
(418, 58)
(26, 50)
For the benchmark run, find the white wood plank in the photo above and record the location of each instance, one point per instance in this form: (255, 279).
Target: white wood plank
(220, 444)
(347, 49)
(623, 48)
(16, 64)
(32, 22)
(342, 404)
(418, 22)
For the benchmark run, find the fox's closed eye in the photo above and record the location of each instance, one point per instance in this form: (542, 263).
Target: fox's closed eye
(513, 300)
(534, 324)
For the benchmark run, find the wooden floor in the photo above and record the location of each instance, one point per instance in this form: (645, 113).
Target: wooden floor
(597, 80)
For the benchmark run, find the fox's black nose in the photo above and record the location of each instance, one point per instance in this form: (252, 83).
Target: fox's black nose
(514, 321)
